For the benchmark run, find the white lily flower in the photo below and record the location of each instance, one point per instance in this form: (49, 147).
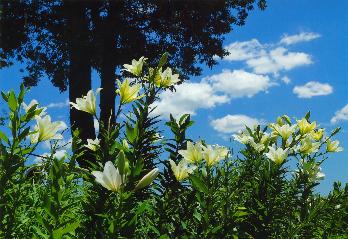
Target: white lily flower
(127, 92)
(93, 144)
(317, 135)
(277, 155)
(308, 147)
(110, 178)
(193, 152)
(45, 129)
(213, 154)
(182, 170)
(265, 139)
(306, 127)
(136, 67)
(87, 103)
(259, 147)
(284, 131)
(31, 104)
(147, 179)
(333, 146)
(243, 137)
(168, 78)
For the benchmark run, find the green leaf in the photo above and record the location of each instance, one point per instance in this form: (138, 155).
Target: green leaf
(165, 236)
(24, 134)
(335, 131)
(21, 94)
(163, 60)
(308, 115)
(287, 119)
(197, 215)
(12, 101)
(67, 229)
(199, 184)
(216, 229)
(40, 233)
(131, 133)
(121, 162)
(4, 96)
(4, 137)
(184, 118)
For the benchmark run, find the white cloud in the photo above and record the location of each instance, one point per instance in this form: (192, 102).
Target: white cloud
(278, 59)
(301, 37)
(58, 104)
(270, 58)
(341, 115)
(240, 51)
(262, 59)
(188, 98)
(239, 83)
(211, 91)
(234, 123)
(286, 80)
(312, 88)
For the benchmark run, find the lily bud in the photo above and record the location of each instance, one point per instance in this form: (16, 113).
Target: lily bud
(121, 162)
(147, 179)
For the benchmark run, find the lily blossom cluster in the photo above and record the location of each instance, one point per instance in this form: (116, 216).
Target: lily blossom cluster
(302, 139)
(195, 154)
(160, 78)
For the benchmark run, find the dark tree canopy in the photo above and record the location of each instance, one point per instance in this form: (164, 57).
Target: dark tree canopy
(65, 39)
(192, 31)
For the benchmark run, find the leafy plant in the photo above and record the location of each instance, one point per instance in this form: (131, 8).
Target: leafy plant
(143, 185)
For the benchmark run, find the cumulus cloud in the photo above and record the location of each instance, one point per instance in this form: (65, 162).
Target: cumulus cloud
(240, 51)
(234, 123)
(340, 115)
(211, 91)
(278, 59)
(297, 38)
(58, 104)
(187, 98)
(265, 61)
(312, 88)
(270, 58)
(239, 83)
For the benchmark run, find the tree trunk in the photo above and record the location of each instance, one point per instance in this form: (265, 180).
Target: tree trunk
(108, 67)
(107, 96)
(80, 75)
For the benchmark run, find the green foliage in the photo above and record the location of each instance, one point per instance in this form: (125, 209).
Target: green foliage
(266, 190)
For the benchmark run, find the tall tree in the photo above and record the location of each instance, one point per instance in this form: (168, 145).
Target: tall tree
(65, 38)
(52, 38)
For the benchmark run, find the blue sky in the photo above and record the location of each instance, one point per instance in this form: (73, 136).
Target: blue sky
(288, 59)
